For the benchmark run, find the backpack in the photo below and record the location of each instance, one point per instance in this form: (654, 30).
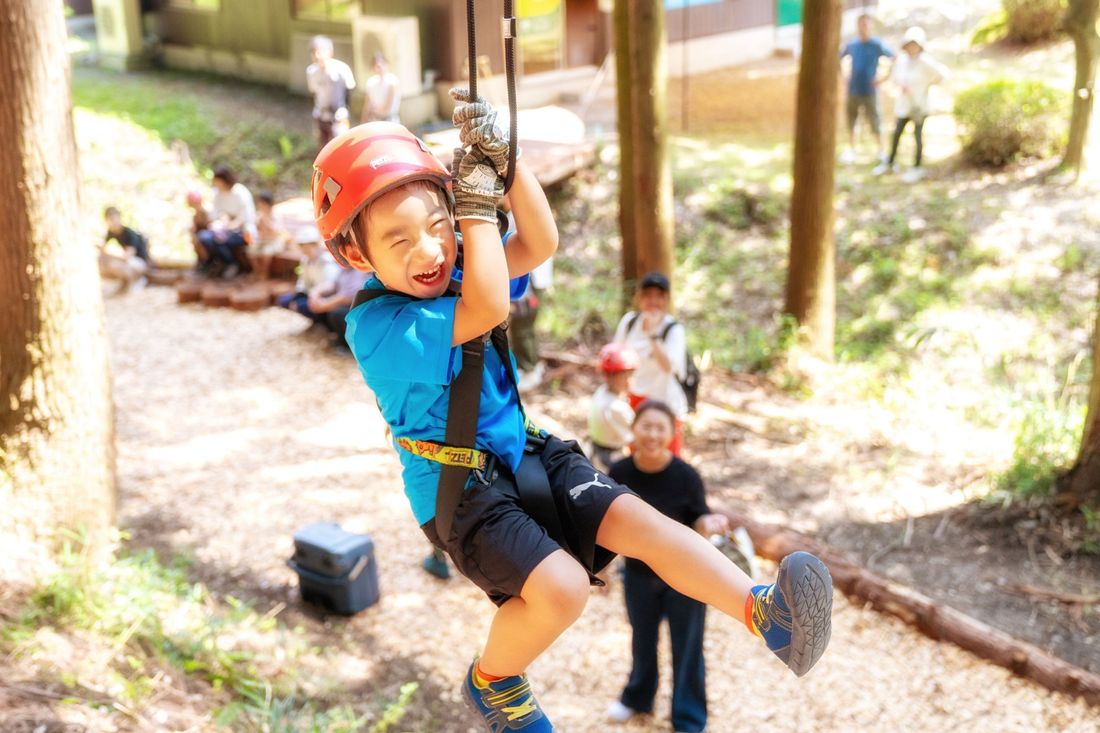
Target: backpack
(690, 382)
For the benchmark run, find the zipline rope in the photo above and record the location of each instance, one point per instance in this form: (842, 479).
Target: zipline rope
(510, 33)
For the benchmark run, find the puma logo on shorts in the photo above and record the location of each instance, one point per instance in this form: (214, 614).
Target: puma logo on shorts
(576, 491)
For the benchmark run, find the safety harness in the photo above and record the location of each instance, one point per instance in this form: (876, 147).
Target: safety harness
(458, 455)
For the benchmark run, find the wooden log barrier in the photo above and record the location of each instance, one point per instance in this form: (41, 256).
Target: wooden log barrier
(158, 276)
(189, 290)
(253, 297)
(216, 294)
(940, 622)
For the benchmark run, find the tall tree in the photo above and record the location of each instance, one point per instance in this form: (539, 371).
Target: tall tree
(624, 100)
(56, 434)
(811, 286)
(1081, 23)
(645, 191)
(1081, 485)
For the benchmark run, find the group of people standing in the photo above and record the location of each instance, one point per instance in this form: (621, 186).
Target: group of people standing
(913, 73)
(331, 81)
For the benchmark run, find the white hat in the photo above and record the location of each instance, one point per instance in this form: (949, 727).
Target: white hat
(307, 234)
(914, 34)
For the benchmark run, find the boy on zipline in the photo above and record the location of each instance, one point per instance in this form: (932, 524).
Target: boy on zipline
(533, 544)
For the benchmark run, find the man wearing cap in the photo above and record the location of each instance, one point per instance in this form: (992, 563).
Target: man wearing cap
(661, 344)
(329, 80)
(914, 73)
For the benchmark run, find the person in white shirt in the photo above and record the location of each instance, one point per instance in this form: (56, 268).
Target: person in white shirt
(232, 225)
(661, 344)
(383, 93)
(913, 74)
(329, 80)
(610, 416)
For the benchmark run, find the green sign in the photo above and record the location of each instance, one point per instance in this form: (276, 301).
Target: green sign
(788, 12)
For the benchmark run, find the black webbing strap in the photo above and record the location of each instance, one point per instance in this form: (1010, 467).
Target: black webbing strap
(462, 412)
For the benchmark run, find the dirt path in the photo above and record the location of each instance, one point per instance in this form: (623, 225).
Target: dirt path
(235, 429)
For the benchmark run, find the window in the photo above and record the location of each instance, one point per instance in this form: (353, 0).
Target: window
(210, 5)
(325, 9)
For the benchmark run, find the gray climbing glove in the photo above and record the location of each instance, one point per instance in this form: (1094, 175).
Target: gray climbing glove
(476, 184)
(476, 121)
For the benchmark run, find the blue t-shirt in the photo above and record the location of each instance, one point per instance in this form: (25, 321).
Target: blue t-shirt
(403, 348)
(865, 56)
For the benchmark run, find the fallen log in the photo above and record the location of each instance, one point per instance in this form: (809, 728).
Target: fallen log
(937, 621)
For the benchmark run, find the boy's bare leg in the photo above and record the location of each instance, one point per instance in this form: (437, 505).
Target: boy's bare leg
(678, 554)
(552, 598)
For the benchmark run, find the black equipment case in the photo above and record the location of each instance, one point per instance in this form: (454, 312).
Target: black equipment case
(335, 568)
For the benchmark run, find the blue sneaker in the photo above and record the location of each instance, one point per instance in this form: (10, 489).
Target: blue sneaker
(794, 614)
(506, 704)
(436, 564)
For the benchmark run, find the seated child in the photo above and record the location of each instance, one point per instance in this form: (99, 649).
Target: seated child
(200, 222)
(316, 268)
(134, 262)
(384, 206)
(271, 238)
(610, 416)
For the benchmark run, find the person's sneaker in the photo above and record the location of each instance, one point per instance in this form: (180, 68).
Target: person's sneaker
(913, 175)
(436, 564)
(794, 614)
(882, 168)
(505, 705)
(619, 713)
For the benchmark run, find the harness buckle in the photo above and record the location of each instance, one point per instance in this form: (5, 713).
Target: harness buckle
(487, 475)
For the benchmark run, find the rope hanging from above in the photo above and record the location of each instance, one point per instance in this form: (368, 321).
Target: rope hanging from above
(510, 34)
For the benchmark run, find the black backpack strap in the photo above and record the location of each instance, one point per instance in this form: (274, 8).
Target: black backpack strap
(668, 327)
(631, 321)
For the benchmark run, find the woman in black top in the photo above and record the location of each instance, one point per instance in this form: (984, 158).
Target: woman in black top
(675, 489)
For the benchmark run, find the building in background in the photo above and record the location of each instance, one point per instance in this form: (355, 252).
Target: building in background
(561, 42)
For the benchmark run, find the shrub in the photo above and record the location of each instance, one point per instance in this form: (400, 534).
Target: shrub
(1033, 20)
(1002, 120)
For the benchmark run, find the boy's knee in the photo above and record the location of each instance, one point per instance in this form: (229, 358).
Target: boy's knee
(558, 584)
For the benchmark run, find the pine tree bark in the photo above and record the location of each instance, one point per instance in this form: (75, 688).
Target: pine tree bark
(1081, 23)
(645, 197)
(56, 433)
(811, 286)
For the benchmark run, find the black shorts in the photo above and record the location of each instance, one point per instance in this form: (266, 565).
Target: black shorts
(494, 541)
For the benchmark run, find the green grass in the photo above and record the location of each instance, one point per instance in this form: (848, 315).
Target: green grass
(152, 618)
(173, 106)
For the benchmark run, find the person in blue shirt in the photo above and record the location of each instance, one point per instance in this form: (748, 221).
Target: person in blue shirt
(863, 80)
(385, 206)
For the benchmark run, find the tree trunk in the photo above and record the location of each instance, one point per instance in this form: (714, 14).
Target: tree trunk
(1082, 483)
(811, 287)
(623, 13)
(56, 434)
(645, 197)
(652, 171)
(1081, 19)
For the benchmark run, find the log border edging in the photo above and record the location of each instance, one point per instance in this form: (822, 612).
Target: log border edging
(937, 621)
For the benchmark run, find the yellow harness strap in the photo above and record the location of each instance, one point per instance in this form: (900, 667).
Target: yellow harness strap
(448, 455)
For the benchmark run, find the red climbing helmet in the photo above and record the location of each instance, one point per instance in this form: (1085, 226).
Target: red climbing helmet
(616, 357)
(360, 165)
